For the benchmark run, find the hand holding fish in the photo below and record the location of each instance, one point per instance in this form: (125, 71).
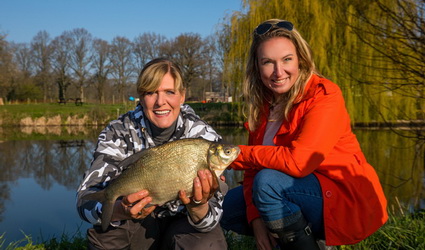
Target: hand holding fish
(133, 206)
(204, 186)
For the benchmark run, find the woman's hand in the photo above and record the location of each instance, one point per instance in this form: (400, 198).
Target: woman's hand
(133, 206)
(263, 238)
(204, 186)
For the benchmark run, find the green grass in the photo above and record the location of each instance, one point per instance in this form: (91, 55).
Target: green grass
(401, 232)
(12, 114)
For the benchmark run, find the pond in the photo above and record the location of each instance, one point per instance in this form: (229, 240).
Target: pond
(41, 169)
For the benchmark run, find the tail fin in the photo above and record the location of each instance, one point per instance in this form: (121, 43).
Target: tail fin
(107, 209)
(107, 206)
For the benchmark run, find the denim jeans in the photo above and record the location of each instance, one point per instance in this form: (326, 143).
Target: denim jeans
(276, 195)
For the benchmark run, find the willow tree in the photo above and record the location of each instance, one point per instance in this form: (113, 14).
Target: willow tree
(351, 41)
(314, 19)
(394, 31)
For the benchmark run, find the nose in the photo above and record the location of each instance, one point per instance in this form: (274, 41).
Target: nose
(160, 99)
(278, 70)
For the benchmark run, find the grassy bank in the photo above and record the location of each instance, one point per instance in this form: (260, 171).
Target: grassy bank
(69, 114)
(216, 114)
(406, 231)
(42, 114)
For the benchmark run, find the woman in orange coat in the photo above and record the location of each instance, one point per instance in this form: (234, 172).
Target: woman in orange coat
(306, 177)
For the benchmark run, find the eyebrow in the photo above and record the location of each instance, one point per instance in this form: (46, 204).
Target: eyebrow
(262, 58)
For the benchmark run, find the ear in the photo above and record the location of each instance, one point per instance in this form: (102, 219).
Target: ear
(142, 101)
(183, 96)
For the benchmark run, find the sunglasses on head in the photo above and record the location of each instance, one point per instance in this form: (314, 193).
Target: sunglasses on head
(265, 27)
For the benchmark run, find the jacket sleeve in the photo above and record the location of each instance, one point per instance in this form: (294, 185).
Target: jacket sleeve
(111, 148)
(320, 128)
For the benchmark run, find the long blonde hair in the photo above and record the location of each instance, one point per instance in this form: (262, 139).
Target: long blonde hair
(256, 94)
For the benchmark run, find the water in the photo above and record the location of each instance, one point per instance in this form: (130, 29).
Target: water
(41, 170)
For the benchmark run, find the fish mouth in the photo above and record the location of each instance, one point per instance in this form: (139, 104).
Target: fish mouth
(222, 156)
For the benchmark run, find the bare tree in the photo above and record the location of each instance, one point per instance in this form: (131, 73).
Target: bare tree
(101, 67)
(222, 49)
(60, 62)
(79, 60)
(147, 47)
(122, 67)
(23, 59)
(24, 88)
(187, 50)
(41, 54)
(212, 64)
(7, 68)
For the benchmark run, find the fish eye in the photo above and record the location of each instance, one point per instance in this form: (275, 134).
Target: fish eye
(227, 151)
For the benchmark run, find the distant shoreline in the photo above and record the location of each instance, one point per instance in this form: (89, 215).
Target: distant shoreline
(215, 114)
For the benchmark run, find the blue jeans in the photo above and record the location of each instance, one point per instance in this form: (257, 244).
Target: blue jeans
(277, 196)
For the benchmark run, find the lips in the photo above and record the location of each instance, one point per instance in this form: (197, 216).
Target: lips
(161, 112)
(281, 81)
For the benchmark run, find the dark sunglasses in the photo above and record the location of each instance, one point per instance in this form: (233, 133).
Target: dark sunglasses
(265, 27)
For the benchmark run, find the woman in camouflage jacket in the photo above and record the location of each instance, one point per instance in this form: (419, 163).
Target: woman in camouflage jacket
(160, 117)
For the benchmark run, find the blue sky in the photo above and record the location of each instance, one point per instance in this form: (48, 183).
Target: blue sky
(21, 20)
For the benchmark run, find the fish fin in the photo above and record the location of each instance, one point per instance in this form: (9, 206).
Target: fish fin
(107, 209)
(218, 172)
(127, 162)
(96, 196)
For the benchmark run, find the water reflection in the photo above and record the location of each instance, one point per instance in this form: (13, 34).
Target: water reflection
(41, 170)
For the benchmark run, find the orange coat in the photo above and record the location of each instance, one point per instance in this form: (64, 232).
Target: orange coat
(318, 139)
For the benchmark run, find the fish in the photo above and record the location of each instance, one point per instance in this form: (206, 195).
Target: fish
(163, 171)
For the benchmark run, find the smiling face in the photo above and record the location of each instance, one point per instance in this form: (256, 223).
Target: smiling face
(278, 64)
(162, 106)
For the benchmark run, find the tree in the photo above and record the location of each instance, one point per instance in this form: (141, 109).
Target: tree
(187, 51)
(24, 87)
(222, 49)
(41, 55)
(60, 62)
(101, 67)
(394, 31)
(7, 67)
(122, 67)
(79, 57)
(147, 47)
(23, 59)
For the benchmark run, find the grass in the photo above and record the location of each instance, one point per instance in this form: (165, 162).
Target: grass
(12, 114)
(405, 231)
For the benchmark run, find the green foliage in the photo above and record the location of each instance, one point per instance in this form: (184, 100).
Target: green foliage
(239, 242)
(406, 231)
(219, 113)
(400, 232)
(75, 242)
(24, 92)
(372, 49)
(11, 115)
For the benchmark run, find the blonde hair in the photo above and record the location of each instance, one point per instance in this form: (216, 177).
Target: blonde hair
(152, 73)
(256, 94)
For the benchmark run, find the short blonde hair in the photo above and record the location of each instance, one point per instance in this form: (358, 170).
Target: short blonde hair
(256, 93)
(152, 73)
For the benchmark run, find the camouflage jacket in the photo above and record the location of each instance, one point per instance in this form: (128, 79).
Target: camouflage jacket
(130, 134)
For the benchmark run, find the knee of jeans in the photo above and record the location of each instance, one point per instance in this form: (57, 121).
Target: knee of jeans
(264, 178)
(261, 184)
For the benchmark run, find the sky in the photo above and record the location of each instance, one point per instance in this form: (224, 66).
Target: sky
(21, 20)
